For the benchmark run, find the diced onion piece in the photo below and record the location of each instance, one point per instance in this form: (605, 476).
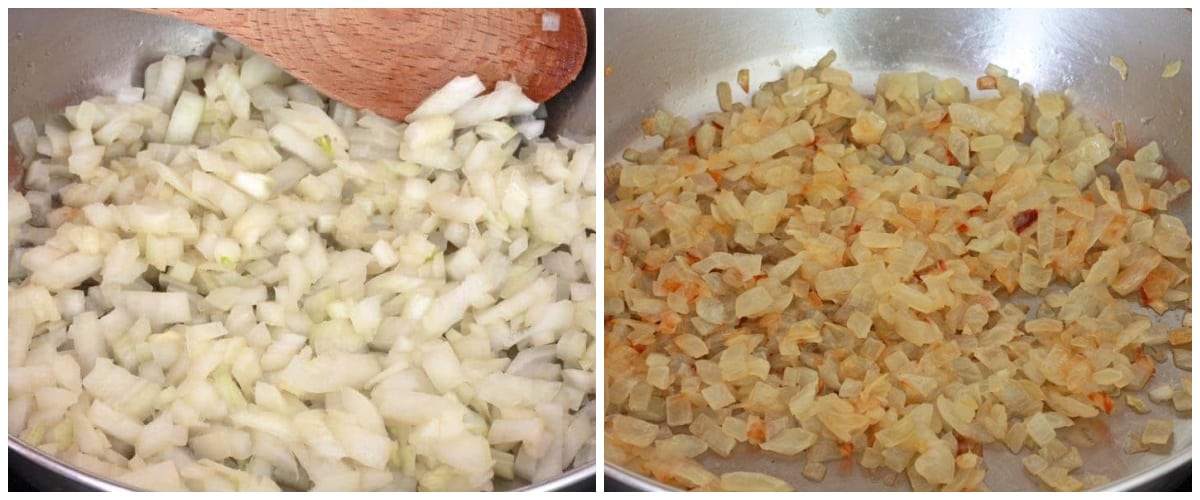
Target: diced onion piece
(1157, 432)
(634, 431)
(936, 465)
(185, 119)
(550, 21)
(449, 98)
(752, 481)
(1118, 64)
(159, 476)
(790, 441)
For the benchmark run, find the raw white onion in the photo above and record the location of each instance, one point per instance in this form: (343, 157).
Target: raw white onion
(245, 286)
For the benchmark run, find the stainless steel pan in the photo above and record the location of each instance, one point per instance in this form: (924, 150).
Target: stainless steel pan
(60, 57)
(673, 59)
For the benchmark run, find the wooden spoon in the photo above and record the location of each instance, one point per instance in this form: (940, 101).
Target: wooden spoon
(388, 60)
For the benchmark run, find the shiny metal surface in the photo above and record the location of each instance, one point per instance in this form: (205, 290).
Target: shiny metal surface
(59, 57)
(673, 59)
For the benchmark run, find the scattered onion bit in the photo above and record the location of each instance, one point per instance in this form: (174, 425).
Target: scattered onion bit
(1157, 432)
(1172, 69)
(1119, 137)
(1118, 64)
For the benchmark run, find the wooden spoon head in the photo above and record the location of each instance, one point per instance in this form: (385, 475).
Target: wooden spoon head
(389, 60)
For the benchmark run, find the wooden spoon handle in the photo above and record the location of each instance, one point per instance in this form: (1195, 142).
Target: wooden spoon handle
(385, 50)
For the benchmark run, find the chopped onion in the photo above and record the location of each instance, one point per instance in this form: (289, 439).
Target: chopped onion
(816, 272)
(230, 282)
